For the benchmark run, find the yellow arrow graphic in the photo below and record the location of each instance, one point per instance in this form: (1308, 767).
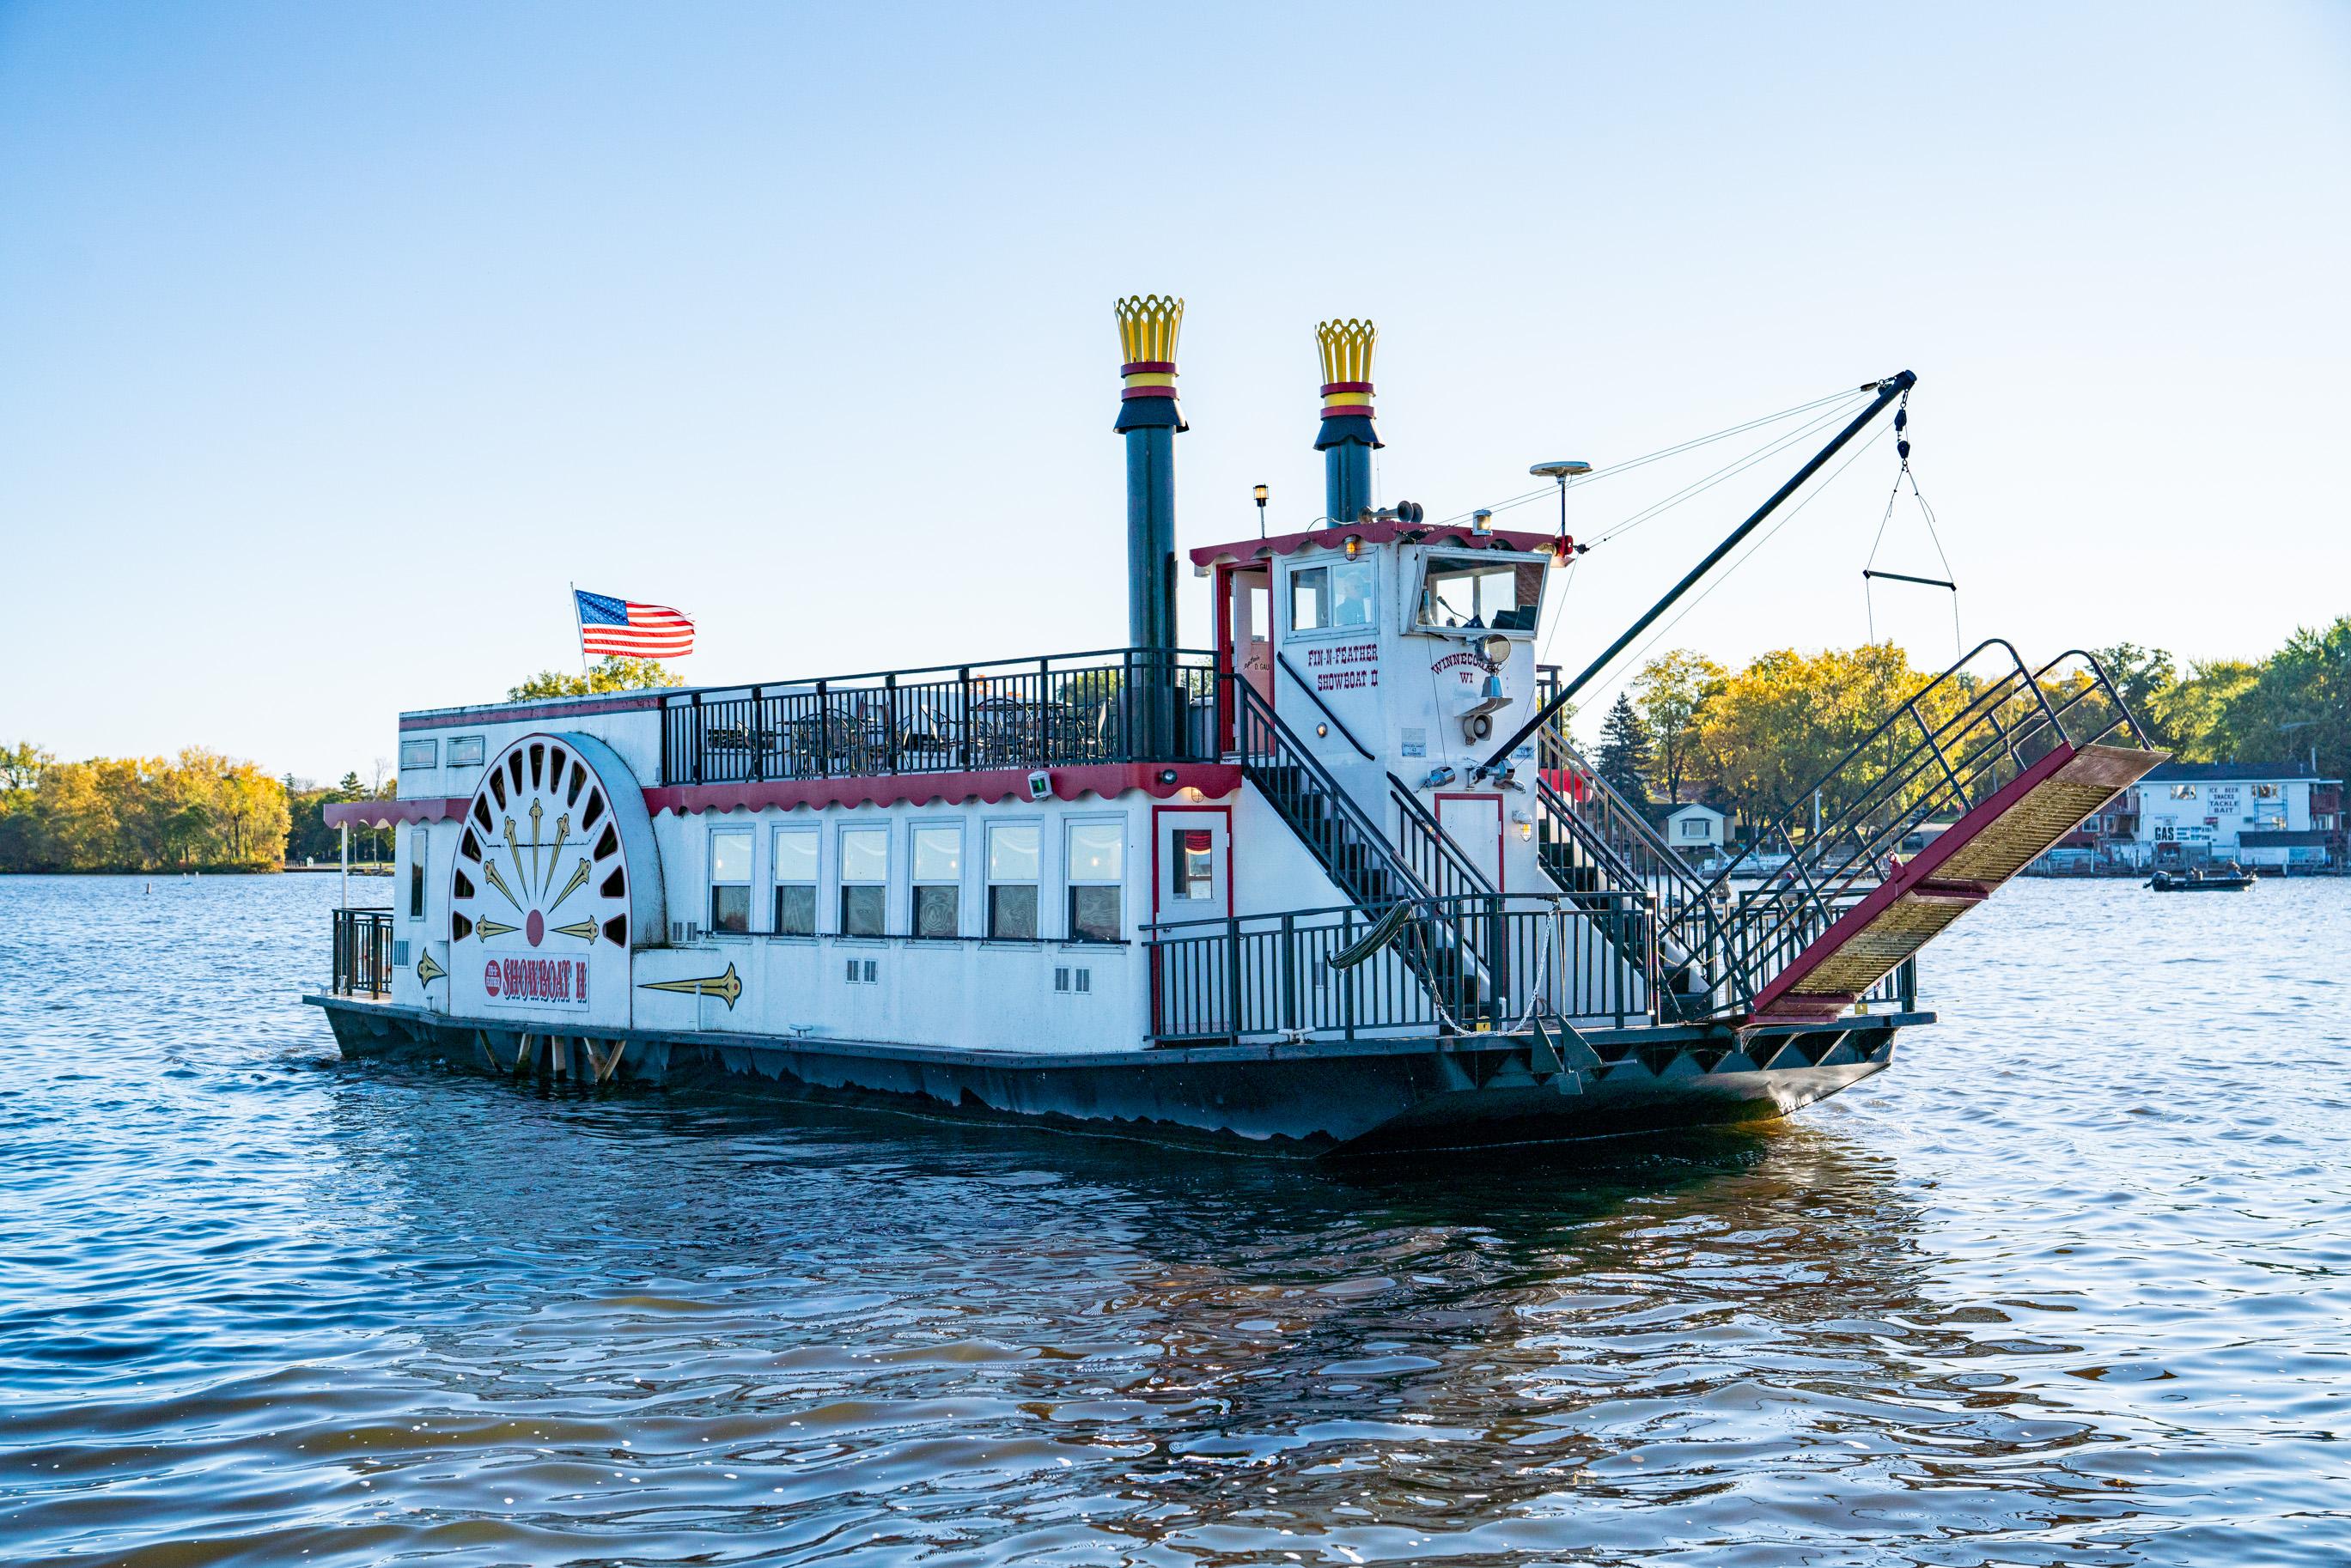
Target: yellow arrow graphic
(728, 986)
(427, 971)
(515, 850)
(579, 880)
(493, 928)
(584, 929)
(490, 875)
(554, 855)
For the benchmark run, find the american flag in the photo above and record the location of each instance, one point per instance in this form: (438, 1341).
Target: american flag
(610, 625)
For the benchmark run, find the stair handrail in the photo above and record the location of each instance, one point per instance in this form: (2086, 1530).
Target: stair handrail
(1967, 746)
(1688, 885)
(1249, 704)
(1415, 819)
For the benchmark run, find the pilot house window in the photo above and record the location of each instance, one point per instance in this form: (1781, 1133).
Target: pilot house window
(1466, 593)
(1339, 595)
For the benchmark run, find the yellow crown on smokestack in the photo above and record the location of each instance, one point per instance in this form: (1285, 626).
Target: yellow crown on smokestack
(1147, 326)
(1347, 350)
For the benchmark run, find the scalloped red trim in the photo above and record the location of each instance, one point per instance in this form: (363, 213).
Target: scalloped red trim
(1214, 780)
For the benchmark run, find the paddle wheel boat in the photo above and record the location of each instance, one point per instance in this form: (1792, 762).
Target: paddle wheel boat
(1338, 881)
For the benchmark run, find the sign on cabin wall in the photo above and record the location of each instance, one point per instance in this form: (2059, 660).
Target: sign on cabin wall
(1470, 667)
(536, 982)
(1344, 666)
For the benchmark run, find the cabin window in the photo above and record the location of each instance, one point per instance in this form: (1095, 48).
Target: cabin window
(938, 882)
(1463, 591)
(466, 750)
(1353, 585)
(2265, 791)
(1196, 865)
(2183, 792)
(419, 753)
(795, 878)
(417, 856)
(1012, 863)
(1310, 598)
(864, 880)
(730, 879)
(1097, 873)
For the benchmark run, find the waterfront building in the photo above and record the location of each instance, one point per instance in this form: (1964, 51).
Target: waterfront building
(1695, 831)
(2269, 814)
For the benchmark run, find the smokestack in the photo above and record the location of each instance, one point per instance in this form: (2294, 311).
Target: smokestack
(1149, 418)
(1347, 437)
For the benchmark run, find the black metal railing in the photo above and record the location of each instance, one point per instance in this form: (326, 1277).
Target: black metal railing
(1272, 976)
(1325, 817)
(1431, 852)
(1583, 823)
(1947, 748)
(1114, 705)
(362, 952)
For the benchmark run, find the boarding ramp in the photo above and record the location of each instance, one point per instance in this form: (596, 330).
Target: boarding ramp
(2013, 758)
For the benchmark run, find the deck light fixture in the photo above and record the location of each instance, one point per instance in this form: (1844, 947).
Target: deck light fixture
(1481, 521)
(1526, 824)
(1262, 495)
(1355, 545)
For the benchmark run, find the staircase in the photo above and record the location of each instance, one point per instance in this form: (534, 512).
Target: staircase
(1440, 947)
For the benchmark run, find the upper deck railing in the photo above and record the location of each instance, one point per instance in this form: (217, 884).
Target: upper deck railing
(1112, 705)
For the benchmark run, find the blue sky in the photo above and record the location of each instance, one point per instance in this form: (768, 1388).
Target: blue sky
(335, 340)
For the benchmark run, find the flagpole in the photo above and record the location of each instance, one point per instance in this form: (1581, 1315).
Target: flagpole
(578, 630)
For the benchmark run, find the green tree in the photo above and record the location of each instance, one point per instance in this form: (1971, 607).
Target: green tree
(1624, 759)
(2299, 702)
(1671, 692)
(613, 674)
(2141, 678)
(2188, 713)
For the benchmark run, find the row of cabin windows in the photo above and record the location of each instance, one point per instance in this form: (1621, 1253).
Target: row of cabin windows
(1094, 868)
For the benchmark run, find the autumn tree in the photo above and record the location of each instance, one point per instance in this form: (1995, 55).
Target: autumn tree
(1671, 692)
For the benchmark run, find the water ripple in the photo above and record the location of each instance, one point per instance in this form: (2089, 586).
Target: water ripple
(2064, 1287)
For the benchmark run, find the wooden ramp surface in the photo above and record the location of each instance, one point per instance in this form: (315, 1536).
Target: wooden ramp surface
(1975, 855)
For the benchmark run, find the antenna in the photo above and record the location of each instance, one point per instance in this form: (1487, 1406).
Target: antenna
(1561, 469)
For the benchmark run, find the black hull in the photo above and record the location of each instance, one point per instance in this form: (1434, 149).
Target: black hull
(1303, 1100)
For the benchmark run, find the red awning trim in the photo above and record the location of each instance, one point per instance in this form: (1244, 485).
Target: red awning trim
(384, 813)
(1108, 781)
(1373, 533)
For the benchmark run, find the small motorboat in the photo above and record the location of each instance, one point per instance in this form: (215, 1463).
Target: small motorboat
(2231, 878)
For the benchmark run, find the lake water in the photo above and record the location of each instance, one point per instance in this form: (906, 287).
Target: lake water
(2071, 1284)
